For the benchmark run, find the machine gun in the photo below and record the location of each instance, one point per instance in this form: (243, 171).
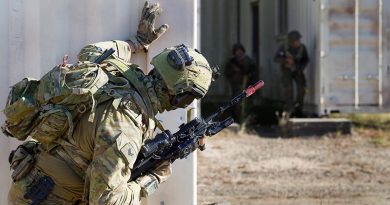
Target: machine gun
(169, 147)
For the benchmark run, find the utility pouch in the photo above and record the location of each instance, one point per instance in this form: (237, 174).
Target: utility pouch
(22, 160)
(39, 191)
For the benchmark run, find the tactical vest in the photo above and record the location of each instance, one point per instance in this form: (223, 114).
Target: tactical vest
(47, 109)
(298, 55)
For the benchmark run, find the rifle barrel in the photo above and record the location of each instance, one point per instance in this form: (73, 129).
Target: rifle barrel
(253, 88)
(246, 93)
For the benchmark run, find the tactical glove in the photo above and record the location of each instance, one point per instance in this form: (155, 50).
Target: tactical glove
(149, 182)
(147, 33)
(163, 171)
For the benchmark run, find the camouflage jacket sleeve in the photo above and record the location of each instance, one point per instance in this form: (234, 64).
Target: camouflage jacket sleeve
(117, 143)
(92, 51)
(304, 60)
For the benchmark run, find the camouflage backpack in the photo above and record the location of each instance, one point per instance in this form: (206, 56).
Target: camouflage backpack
(45, 109)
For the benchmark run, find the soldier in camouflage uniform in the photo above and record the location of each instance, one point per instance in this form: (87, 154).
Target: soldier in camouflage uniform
(240, 70)
(293, 58)
(93, 165)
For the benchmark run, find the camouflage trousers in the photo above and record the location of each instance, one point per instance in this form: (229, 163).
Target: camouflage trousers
(236, 110)
(288, 78)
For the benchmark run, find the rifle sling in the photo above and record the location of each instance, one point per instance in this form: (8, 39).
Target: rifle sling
(134, 81)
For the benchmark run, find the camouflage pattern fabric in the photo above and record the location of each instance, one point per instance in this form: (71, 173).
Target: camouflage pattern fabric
(119, 137)
(21, 109)
(198, 75)
(103, 150)
(288, 78)
(19, 188)
(92, 51)
(45, 109)
(240, 73)
(291, 73)
(93, 164)
(105, 120)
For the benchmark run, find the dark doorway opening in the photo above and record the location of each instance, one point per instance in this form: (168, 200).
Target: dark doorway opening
(256, 33)
(283, 16)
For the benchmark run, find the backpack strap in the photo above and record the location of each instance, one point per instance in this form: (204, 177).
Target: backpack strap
(76, 159)
(130, 75)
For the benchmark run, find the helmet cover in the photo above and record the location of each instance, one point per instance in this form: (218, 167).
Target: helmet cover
(184, 70)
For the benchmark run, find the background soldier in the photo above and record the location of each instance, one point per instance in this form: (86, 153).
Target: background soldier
(93, 164)
(239, 70)
(293, 58)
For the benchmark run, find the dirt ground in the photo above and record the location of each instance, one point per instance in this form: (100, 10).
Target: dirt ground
(328, 170)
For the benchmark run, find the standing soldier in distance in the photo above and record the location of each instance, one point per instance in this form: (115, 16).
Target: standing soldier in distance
(239, 70)
(93, 164)
(293, 58)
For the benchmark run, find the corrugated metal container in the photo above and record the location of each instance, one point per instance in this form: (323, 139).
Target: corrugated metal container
(304, 16)
(352, 49)
(347, 41)
(218, 23)
(35, 35)
(269, 29)
(346, 46)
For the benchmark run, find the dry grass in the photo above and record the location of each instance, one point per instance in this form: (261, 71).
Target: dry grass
(378, 136)
(374, 126)
(368, 120)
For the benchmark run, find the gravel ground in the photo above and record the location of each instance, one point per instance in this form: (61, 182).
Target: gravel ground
(329, 170)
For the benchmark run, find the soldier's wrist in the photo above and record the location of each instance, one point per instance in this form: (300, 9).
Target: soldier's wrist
(148, 184)
(137, 45)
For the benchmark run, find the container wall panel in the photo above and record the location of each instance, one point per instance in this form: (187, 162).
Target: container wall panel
(269, 71)
(219, 33)
(4, 58)
(386, 53)
(350, 63)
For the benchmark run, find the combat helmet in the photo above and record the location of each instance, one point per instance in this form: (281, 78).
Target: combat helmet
(184, 70)
(294, 35)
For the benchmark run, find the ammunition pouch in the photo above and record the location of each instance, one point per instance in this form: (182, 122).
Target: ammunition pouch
(22, 159)
(40, 190)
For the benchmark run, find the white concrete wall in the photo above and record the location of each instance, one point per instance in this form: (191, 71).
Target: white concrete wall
(34, 36)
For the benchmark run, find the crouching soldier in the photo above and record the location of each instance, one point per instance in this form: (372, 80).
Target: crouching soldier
(88, 121)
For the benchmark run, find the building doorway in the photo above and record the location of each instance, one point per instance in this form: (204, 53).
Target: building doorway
(256, 32)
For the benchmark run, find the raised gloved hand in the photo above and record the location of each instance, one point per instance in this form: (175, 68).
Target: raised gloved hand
(147, 33)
